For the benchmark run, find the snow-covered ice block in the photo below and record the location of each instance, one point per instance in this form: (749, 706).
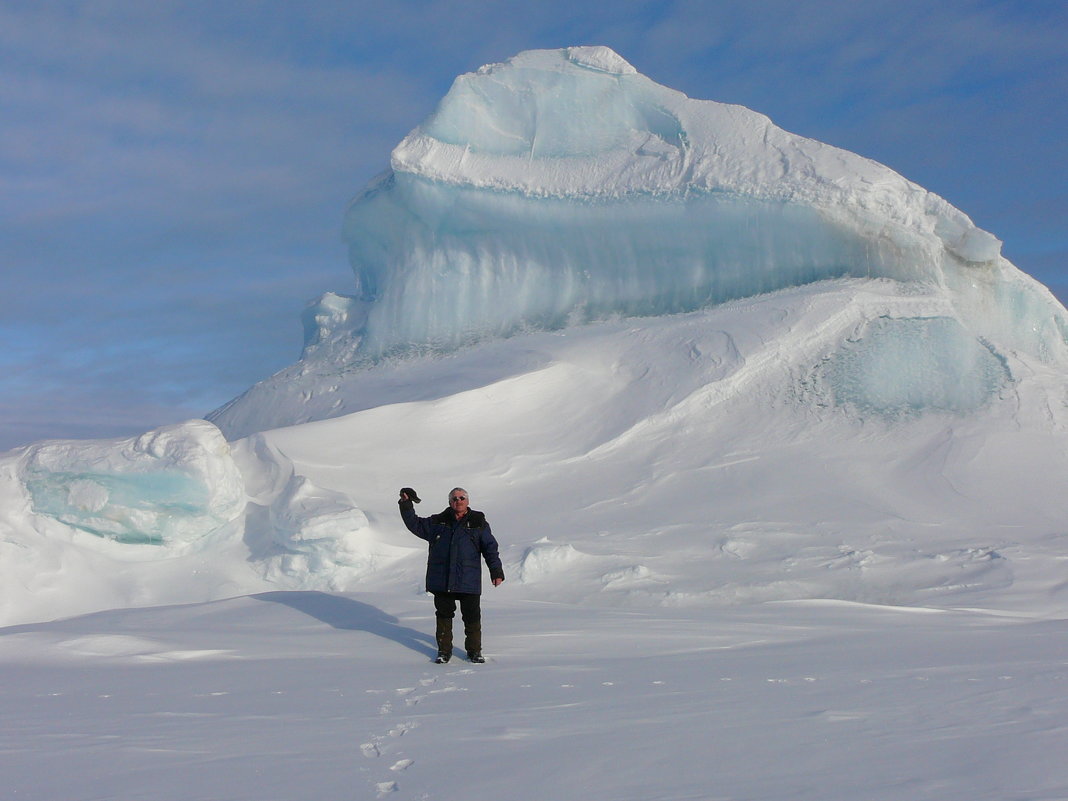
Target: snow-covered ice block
(169, 486)
(302, 535)
(546, 558)
(304, 513)
(324, 536)
(329, 322)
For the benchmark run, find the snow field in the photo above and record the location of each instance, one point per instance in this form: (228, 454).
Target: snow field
(295, 694)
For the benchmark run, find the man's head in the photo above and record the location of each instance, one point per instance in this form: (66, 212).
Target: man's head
(458, 501)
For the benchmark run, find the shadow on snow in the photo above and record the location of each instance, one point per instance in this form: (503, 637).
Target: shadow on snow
(347, 614)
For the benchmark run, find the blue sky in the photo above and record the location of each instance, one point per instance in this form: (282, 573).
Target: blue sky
(174, 174)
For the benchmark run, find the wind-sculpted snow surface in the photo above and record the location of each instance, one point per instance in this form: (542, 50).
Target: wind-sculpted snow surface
(562, 187)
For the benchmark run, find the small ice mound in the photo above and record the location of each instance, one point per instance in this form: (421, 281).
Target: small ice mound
(906, 366)
(168, 486)
(544, 559)
(626, 576)
(304, 513)
(321, 535)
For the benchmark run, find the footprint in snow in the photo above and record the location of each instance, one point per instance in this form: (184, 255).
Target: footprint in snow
(448, 688)
(402, 764)
(402, 729)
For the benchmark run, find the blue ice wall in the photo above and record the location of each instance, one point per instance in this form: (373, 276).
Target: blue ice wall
(442, 266)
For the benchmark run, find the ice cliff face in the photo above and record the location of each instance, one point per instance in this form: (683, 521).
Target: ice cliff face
(562, 187)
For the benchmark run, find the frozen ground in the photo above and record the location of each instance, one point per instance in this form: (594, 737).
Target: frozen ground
(289, 695)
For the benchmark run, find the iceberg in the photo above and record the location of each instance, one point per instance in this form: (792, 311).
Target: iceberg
(753, 368)
(562, 187)
(741, 350)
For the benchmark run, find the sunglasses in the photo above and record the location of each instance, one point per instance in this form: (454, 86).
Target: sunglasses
(458, 498)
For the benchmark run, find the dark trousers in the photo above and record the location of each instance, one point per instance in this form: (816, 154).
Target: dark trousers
(470, 611)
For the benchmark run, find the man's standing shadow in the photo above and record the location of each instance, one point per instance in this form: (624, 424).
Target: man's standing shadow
(350, 615)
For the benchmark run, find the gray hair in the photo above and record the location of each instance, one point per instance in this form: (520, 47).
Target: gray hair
(459, 489)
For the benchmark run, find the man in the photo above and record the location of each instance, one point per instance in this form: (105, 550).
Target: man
(457, 537)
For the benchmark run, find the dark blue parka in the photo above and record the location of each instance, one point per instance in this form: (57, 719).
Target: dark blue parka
(452, 563)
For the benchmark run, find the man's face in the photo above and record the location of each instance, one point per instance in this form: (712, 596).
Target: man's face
(458, 502)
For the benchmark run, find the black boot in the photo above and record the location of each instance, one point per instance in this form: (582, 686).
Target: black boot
(444, 638)
(473, 643)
